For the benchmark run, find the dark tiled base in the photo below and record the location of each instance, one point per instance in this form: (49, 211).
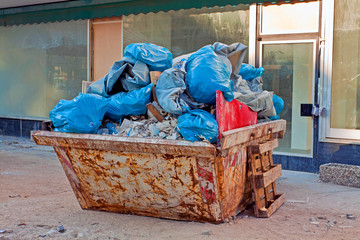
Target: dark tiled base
(327, 153)
(339, 153)
(302, 164)
(18, 127)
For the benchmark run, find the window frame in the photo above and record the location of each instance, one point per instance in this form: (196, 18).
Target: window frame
(327, 133)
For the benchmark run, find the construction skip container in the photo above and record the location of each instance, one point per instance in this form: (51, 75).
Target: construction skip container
(173, 179)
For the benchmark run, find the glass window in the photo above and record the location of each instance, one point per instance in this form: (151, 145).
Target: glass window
(39, 65)
(345, 82)
(290, 18)
(186, 31)
(289, 70)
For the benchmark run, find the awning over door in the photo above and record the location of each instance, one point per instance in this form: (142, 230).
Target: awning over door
(90, 9)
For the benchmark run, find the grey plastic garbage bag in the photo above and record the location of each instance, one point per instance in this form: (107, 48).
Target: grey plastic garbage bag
(171, 92)
(179, 62)
(258, 100)
(233, 55)
(206, 73)
(198, 125)
(251, 93)
(255, 84)
(186, 97)
(168, 89)
(83, 114)
(123, 76)
(157, 58)
(136, 77)
(129, 103)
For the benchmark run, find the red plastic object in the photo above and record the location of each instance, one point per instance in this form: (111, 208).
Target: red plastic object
(231, 115)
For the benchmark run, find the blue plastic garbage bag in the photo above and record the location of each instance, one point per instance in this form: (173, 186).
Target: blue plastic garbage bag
(206, 73)
(157, 58)
(279, 106)
(129, 103)
(123, 76)
(83, 114)
(249, 72)
(198, 125)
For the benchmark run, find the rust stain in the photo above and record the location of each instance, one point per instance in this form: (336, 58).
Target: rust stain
(176, 168)
(133, 170)
(121, 187)
(193, 178)
(168, 156)
(155, 187)
(116, 175)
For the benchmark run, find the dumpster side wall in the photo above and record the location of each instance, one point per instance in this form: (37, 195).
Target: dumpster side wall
(160, 185)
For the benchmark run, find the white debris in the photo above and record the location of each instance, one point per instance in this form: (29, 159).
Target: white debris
(124, 127)
(162, 135)
(154, 130)
(174, 136)
(149, 128)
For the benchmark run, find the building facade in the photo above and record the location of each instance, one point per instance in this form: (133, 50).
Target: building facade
(310, 51)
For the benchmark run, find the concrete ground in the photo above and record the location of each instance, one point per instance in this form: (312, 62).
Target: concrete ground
(36, 198)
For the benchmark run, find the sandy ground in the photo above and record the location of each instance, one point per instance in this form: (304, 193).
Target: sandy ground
(36, 198)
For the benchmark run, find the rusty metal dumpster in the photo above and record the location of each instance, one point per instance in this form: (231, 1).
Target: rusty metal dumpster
(162, 178)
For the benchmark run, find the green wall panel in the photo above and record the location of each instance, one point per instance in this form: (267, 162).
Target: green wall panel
(85, 9)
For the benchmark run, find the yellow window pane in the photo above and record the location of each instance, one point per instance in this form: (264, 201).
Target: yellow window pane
(290, 18)
(345, 82)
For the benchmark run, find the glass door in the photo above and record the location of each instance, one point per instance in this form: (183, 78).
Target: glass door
(287, 43)
(289, 73)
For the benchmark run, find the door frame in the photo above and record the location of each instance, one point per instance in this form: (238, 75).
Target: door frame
(256, 42)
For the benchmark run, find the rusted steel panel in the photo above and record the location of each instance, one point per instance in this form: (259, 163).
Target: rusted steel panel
(242, 135)
(125, 144)
(207, 180)
(232, 178)
(159, 185)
